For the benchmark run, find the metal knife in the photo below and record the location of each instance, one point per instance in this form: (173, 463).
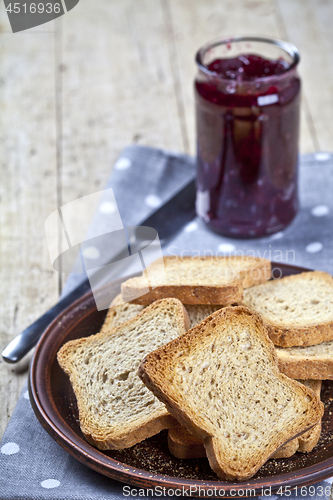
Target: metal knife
(167, 220)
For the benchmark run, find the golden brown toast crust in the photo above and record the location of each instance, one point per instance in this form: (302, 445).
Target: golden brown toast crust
(193, 295)
(119, 314)
(76, 357)
(161, 372)
(254, 271)
(307, 367)
(290, 337)
(286, 330)
(184, 445)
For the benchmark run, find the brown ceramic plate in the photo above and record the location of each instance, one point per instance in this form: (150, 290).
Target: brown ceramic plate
(149, 464)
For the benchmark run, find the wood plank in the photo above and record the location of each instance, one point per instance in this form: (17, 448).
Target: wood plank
(308, 24)
(27, 191)
(196, 23)
(308, 139)
(117, 89)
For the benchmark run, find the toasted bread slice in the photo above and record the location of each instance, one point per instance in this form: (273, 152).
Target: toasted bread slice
(287, 450)
(117, 315)
(297, 310)
(197, 280)
(182, 444)
(198, 313)
(123, 311)
(308, 440)
(116, 410)
(221, 381)
(315, 361)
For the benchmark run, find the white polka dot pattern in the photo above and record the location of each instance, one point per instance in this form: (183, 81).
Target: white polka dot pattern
(107, 207)
(192, 226)
(91, 253)
(153, 201)
(50, 483)
(320, 210)
(226, 248)
(10, 448)
(322, 156)
(123, 164)
(277, 236)
(314, 247)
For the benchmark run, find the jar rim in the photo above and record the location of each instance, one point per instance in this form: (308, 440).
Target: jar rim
(286, 46)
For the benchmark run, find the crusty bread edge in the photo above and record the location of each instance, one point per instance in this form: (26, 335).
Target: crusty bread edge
(289, 336)
(299, 336)
(210, 442)
(196, 294)
(185, 450)
(187, 294)
(287, 450)
(175, 409)
(142, 428)
(133, 436)
(308, 440)
(112, 316)
(230, 474)
(306, 368)
(129, 436)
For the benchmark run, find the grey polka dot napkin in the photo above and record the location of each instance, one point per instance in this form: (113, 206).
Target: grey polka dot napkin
(32, 465)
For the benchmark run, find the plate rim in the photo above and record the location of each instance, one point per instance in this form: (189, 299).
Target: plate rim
(95, 459)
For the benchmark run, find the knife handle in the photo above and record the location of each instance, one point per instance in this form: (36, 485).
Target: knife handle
(27, 339)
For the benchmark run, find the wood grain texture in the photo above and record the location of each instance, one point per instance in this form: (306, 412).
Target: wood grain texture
(107, 74)
(115, 60)
(308, 24)
(27, 192)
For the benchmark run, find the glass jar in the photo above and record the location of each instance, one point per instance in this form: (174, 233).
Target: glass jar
(247, 112)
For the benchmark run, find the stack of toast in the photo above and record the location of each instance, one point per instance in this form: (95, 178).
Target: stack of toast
(228, 360)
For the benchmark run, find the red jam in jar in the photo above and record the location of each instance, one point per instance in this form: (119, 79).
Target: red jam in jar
(247, 111)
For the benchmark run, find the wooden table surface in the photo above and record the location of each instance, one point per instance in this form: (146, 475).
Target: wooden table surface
(75, 91)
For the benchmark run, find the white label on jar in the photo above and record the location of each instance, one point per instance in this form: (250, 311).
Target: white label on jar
(264, 100)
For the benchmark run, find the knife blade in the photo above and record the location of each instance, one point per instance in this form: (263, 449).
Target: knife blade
(167, 220)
